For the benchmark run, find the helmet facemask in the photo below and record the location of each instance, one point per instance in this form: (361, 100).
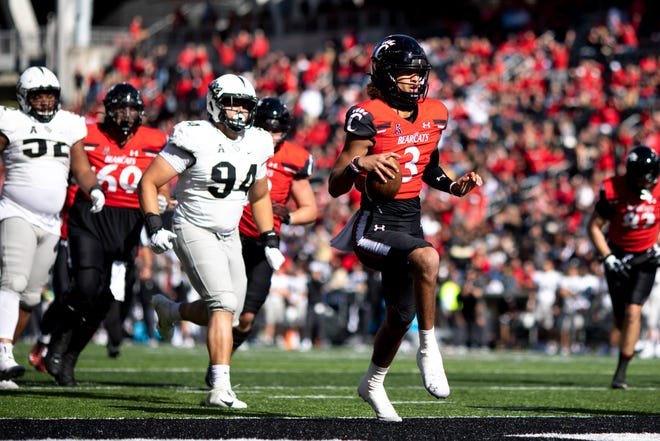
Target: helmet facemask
(43, 113)
(33, 82)
(124, 110)
(126, 119)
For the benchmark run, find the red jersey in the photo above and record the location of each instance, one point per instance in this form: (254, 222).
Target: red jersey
(119, 169)
(634, 223)
(290, 161)
(414, 141)
(71, 191)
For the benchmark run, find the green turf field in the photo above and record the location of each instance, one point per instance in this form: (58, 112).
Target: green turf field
(168, 382)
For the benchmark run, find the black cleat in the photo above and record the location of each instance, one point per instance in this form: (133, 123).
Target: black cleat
(58, 345)
(53, 363)
(617, 384)
(65, 376)
(113, 351)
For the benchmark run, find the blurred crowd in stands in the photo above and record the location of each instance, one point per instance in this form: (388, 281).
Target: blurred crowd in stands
(544, 117)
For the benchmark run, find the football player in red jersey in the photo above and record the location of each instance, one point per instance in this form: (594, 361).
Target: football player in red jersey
(119, 149)
(629, 210)
(398, 121)
(289, 170)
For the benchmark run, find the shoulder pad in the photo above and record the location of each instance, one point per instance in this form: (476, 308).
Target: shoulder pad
(261, 141)
(186, 135)
(359, 122)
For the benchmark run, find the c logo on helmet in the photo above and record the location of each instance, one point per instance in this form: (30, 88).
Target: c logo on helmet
(384, 45)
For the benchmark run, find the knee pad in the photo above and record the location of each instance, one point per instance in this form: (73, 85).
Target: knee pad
(224, 301)
(29, 300)
(403, 316)
(17, 282)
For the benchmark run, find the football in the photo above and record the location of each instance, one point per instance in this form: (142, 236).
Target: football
(379, 191)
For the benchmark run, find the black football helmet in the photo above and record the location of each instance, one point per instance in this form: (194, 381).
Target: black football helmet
(642, 169)
(391, 55)
(117, 99)
(272, 115)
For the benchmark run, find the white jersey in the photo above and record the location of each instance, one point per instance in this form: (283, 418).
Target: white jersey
(37, 163)
(215, 172)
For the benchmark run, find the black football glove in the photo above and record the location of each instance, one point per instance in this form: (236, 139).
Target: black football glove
(281, 211)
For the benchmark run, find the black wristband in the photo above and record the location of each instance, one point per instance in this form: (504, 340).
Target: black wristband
(96, 187)
(451, 189)
(286, 219)
(270, 239)
(153, 223)
(435, 177)
(353, 169)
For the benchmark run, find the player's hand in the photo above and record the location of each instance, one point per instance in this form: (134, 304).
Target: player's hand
(614, 265)
(161, 241)
(465, 184)
(98, 199)
(162, 203)
(271, 242)
(655, 255)
(274, 257)
(281, 211)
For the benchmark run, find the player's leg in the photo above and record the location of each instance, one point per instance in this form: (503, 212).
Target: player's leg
(44, 257)
(85, 305)
(216, 271)
(633, 297)
(259, 274)
(61, 282)
(18, 242)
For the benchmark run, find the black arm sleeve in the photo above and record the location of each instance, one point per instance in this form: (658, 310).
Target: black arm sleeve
(434, 176)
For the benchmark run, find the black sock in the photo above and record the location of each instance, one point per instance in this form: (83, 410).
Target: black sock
(620, 374)
(239, 337)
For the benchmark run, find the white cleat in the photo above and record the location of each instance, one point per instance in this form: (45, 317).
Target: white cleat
(166, 311)
(224, 398)
(8, 384)
(8, 367)
(648, 351)
(376, 397)
(433, 373)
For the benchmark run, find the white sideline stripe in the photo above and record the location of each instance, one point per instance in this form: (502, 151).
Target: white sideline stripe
(592, 436)
(302, 371)
(259, 389)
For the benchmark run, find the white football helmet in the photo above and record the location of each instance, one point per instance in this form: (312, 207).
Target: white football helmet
(223, 92)
(37, 79)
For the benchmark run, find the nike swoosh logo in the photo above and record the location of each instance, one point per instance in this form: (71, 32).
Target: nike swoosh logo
(228, 403)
